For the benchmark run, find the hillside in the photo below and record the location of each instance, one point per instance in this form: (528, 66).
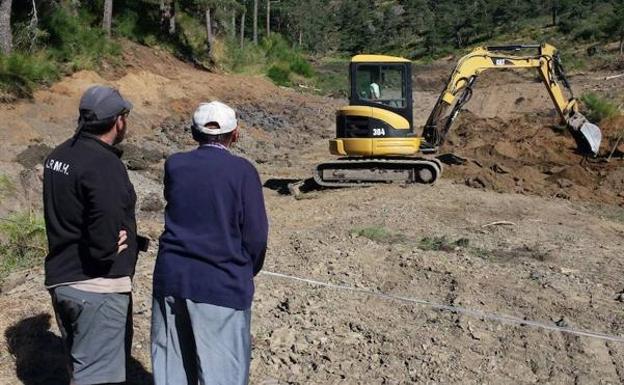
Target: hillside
(555, 260)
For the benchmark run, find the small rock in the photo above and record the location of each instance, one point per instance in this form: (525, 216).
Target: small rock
(152, 203)
(563, 322)
(497, 168)
(556, 170)
(620, 297)
(564, 183)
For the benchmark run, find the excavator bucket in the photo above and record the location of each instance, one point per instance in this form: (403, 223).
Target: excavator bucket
(587, 135)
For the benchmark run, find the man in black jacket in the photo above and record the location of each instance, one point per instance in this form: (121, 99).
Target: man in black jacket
(89, 205)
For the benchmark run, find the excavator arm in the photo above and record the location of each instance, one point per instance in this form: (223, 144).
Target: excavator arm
(547, 63)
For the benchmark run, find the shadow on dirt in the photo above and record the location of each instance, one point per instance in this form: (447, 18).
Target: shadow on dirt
(39, 356)
(293, 186)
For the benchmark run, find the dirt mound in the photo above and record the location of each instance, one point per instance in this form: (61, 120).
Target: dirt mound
(529, 155)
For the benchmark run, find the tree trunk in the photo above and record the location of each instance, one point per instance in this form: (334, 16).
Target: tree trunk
(6, 34)
(33, 25)
(167, 16)
(622, 44)
(242, 30)
(208, 30)
(555, 7)
(233, 25)
(107, 20)
(268, 18)
(255, 22)
(300, 38)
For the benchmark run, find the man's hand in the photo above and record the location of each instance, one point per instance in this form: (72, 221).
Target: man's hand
(121, 243)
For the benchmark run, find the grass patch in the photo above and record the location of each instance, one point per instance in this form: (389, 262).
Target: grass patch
(379, 234)
(480, 252)
(7, 187)
(598, 107)
(23, 242)
(442, 244)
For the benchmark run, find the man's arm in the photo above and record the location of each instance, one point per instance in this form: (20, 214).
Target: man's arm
(255, 223)
(104, 200)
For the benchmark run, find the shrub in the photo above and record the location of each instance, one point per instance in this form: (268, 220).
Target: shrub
(192, 36)
(301, 66)
(23, 242)
(598, 107)
(277, 48)
(19, 73)
(279, 75)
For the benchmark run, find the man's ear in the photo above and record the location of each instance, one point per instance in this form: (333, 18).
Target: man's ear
(235, 135)
(119, 123)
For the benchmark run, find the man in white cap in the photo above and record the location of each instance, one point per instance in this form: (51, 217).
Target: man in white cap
(213, 245)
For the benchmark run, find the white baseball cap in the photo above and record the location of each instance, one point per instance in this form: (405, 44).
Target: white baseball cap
(216, 113)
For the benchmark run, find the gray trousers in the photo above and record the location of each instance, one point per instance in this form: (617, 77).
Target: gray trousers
(199, 343)
(97, 333)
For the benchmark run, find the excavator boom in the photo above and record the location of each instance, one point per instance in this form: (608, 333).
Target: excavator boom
(547, 63)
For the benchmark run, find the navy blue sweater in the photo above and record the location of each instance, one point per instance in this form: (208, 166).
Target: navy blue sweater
(216, 229)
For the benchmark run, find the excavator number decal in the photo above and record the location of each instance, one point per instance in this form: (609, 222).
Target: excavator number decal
(500, 62)
(379, 132)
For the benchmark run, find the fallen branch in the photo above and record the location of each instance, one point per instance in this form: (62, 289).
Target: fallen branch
(613, 77)
(308, 87)
(499, 223)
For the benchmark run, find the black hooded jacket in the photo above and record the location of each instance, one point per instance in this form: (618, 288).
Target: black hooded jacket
(88, 198)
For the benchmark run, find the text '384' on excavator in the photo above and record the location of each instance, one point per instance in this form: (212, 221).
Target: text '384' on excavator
(375, 134)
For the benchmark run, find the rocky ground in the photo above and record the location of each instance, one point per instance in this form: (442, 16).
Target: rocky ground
(523, 228)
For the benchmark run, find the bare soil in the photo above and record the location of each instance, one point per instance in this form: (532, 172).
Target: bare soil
(556, 259)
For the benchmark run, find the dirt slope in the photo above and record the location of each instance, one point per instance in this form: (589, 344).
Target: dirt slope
(557, 261)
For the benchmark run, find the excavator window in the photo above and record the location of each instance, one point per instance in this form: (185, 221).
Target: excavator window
(382, 84)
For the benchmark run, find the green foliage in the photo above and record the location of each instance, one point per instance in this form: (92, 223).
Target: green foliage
(23, 242)
(274, 57)
(20, 73)
(75, 43)
(286, 59)
(249, 59)
(279, 75)
(69, 37)
(598, 107)
(69, 43)
(301, 66)
(192, 36)
(379, 234)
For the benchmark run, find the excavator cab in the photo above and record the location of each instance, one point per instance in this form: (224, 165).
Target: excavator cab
(378, 120)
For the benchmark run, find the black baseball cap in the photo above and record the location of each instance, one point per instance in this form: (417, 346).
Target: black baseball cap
(104, 102)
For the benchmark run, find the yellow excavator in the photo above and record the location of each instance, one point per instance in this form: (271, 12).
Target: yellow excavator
(375, 134)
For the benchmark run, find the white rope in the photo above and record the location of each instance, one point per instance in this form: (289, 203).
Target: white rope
(502, 318)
